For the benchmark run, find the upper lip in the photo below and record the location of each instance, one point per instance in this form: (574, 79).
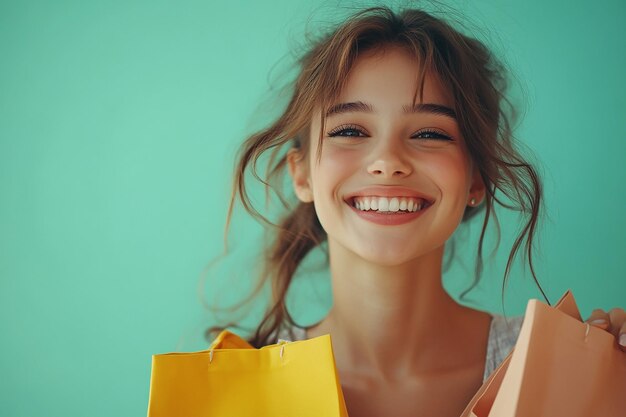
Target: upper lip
(388, 191)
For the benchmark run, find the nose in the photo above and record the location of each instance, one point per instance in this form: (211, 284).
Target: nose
(389, 162)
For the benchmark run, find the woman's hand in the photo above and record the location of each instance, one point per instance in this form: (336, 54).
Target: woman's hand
(613, 322)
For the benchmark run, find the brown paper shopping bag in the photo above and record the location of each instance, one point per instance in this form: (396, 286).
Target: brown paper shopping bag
(233, 379)
(560, 367)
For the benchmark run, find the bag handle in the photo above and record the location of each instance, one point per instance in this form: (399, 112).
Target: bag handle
(229, 340)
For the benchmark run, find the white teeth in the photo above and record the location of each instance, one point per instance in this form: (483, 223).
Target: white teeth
(388, 205)
(383, 204)
(394, 204)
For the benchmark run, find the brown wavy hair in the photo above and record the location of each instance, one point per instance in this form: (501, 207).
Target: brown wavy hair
(477, 81)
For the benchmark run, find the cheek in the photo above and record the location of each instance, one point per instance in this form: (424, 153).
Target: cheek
(455, 171)
(335, 166)
(448, 171)
(455, 175)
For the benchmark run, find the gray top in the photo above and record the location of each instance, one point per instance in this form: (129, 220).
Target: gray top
(502, 337)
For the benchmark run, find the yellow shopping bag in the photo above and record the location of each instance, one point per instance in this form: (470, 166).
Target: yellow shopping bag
(233, 379)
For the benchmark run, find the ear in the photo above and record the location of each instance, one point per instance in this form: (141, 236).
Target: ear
(299, 172)
(478, 189)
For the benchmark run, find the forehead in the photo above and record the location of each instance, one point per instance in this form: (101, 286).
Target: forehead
(392, 76)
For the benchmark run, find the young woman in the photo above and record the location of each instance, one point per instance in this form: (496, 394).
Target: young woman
(398, 130)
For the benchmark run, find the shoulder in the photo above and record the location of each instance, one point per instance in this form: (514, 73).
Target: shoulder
(502, 338)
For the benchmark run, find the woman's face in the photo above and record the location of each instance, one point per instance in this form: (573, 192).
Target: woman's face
(376, 145)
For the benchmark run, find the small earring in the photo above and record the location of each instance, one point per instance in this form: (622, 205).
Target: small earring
(472, 201)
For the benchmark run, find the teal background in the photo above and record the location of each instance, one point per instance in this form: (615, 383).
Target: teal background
(118, 126)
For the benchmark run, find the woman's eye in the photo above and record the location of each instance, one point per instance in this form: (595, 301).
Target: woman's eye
(431, 134)
(347, 131)
(356, 131)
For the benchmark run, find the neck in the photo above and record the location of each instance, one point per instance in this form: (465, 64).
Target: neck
(398, 321)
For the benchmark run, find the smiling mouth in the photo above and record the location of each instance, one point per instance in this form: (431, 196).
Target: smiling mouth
(389, 206)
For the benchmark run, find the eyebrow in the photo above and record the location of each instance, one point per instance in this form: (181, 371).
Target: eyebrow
(359, 106)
